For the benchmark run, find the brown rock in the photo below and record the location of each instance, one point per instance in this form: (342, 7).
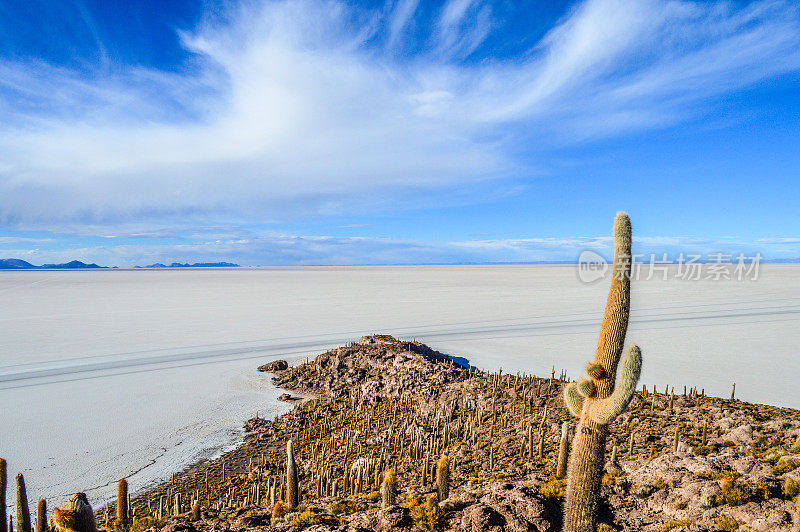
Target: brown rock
(393, 517)
(275, 365)
(480, 517)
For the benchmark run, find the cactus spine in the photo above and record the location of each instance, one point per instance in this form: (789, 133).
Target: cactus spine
(443, 478)
(122, 502)
(606, 400)
(389, 488)
(563, 451)
(292, 485)
(23, 513)
(3, 485)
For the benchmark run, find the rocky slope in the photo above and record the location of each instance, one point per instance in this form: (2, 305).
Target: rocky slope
(383, 403)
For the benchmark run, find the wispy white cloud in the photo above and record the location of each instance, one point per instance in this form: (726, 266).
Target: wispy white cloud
(399, 19)
(290, 106)
(4, 240)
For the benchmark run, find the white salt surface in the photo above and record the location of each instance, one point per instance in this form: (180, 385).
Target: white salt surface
(111, 374)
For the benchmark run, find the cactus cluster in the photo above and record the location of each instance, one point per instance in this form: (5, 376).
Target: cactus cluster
(597, 400)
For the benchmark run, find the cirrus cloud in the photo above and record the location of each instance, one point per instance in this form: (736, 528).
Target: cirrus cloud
(302, 107)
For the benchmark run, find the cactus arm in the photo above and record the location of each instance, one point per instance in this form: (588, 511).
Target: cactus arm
(615, 318)
(573, 399)
(604, 411)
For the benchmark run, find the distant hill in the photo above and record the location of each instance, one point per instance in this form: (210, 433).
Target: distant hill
(195, 265)
(19, 264)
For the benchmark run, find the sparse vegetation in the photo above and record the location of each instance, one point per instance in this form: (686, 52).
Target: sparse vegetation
(428, 516)
(343, 507)
(554, 489)
(280, 510)
(670, 525)
(305, 518)
(727, 524)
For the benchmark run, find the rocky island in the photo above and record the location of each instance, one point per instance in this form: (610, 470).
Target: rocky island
(677, 460)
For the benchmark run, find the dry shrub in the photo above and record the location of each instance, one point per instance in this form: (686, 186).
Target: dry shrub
(554, 489)
(306, 518)
(428, 516)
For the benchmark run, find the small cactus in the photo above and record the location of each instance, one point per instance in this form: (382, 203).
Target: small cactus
(3, 486)
(443, 478)
(23, 513)
(292, 481)
(41, 516)
(563, 451)
(598, 404)
(613, 466)
(122, 502)
(389, 489)
(196, 511)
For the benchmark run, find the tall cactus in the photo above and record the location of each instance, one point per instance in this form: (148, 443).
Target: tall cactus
(292, 482)
(597, 401)
(3, 485)
(122, 502)
(23, 513)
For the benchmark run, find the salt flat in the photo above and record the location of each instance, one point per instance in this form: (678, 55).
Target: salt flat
(137, 373)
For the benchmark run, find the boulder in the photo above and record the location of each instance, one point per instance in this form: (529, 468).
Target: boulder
(275, 365)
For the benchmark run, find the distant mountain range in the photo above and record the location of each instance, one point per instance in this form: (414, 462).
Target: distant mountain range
(19, 264)
(195, 265)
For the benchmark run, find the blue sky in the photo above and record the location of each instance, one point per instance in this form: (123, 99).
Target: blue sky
(325, 132)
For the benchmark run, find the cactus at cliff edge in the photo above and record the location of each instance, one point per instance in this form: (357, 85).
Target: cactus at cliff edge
(292, 482)
(598, 400)
(122, 502)
(23, 513)
(41, 516)
(3, 485)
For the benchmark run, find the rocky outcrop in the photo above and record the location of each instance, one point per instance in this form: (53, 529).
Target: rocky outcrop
(274, 366)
